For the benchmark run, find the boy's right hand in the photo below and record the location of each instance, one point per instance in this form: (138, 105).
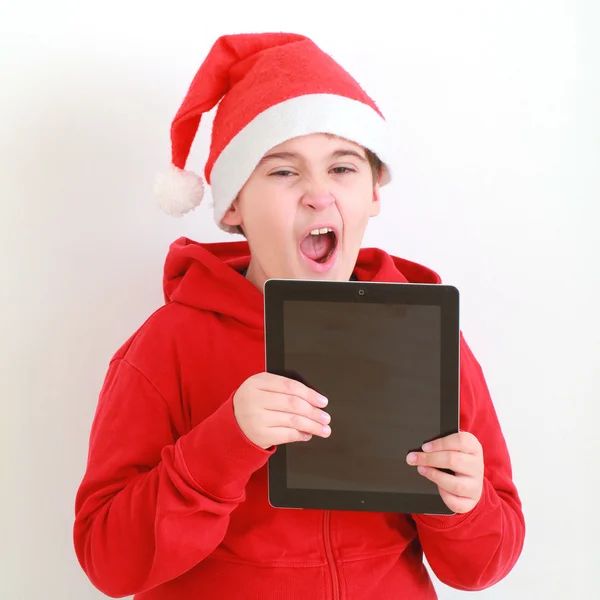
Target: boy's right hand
(273, 410)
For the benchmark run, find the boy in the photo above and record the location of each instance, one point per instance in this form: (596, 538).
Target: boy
(174, 503)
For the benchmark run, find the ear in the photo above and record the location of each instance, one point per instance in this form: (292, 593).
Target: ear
(233, 216)
(376, 204)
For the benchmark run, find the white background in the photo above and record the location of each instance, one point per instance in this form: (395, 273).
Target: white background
(495, 106)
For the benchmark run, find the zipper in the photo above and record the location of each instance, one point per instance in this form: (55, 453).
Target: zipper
(329, 552)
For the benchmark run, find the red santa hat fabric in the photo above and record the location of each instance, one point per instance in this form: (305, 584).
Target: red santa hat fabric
(269, 88)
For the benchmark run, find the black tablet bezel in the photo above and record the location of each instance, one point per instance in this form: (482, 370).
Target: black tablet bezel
(278, 291)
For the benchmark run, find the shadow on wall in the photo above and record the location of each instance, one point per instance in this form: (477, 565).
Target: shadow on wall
(88, 251)
(84, 146)
(87, 151)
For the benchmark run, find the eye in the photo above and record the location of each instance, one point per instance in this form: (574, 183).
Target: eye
(343, 170)
(283, 173)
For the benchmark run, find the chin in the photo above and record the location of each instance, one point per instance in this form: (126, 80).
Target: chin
(336, 272)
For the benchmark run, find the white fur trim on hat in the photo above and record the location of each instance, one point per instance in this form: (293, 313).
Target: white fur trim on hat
(178, 192)
(302, 115)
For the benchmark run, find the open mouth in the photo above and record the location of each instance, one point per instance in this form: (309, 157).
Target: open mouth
(319, 245)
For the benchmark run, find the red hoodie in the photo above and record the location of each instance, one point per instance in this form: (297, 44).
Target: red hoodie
(173, 504)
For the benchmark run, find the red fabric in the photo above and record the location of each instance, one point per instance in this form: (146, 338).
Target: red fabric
(173, 504)
(244, 72)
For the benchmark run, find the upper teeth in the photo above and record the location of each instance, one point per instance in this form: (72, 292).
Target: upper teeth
(321, 231)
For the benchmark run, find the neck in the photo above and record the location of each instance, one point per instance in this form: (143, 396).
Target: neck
(255, 275)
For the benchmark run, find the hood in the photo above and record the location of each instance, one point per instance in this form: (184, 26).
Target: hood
(207, 276)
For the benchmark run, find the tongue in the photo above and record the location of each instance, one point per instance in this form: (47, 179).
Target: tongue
(316, 247)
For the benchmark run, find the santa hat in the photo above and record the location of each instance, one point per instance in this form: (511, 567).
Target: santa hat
(270, 87)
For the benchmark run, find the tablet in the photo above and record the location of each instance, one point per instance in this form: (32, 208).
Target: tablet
(386, 355)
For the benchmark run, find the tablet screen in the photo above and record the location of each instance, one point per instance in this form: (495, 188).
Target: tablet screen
(379, 365)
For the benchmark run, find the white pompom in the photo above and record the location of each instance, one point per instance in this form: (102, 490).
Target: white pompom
(178, 192)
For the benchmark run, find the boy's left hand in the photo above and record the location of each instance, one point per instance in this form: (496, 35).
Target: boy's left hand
(461, 453)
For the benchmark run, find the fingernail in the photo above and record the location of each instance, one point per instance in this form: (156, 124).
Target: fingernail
(411, 459)
(326, 429)
(427, 447)
(323, 401)
(326, 418)
(422, 470)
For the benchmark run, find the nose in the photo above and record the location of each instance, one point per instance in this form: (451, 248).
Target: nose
(317, 199)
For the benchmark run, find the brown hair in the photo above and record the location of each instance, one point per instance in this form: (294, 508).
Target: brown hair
(375, 164)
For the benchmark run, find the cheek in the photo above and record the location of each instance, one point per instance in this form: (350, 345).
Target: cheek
(268, 223)
(358, 212)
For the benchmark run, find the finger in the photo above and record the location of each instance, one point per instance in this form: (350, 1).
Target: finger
(287, 435)
(291, 387)
(296, 406)
(457, 504)
(459, 462)
(464, 487)
(462, 441)
(298, 422)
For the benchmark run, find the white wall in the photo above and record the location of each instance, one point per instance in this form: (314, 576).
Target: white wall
(495, 106)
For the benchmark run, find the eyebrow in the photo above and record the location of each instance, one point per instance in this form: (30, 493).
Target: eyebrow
(294, 156)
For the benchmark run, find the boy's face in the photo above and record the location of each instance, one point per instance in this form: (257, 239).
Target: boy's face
(305, 209)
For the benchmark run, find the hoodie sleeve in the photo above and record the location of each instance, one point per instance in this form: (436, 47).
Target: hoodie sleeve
(152, 505)
(475, 550)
